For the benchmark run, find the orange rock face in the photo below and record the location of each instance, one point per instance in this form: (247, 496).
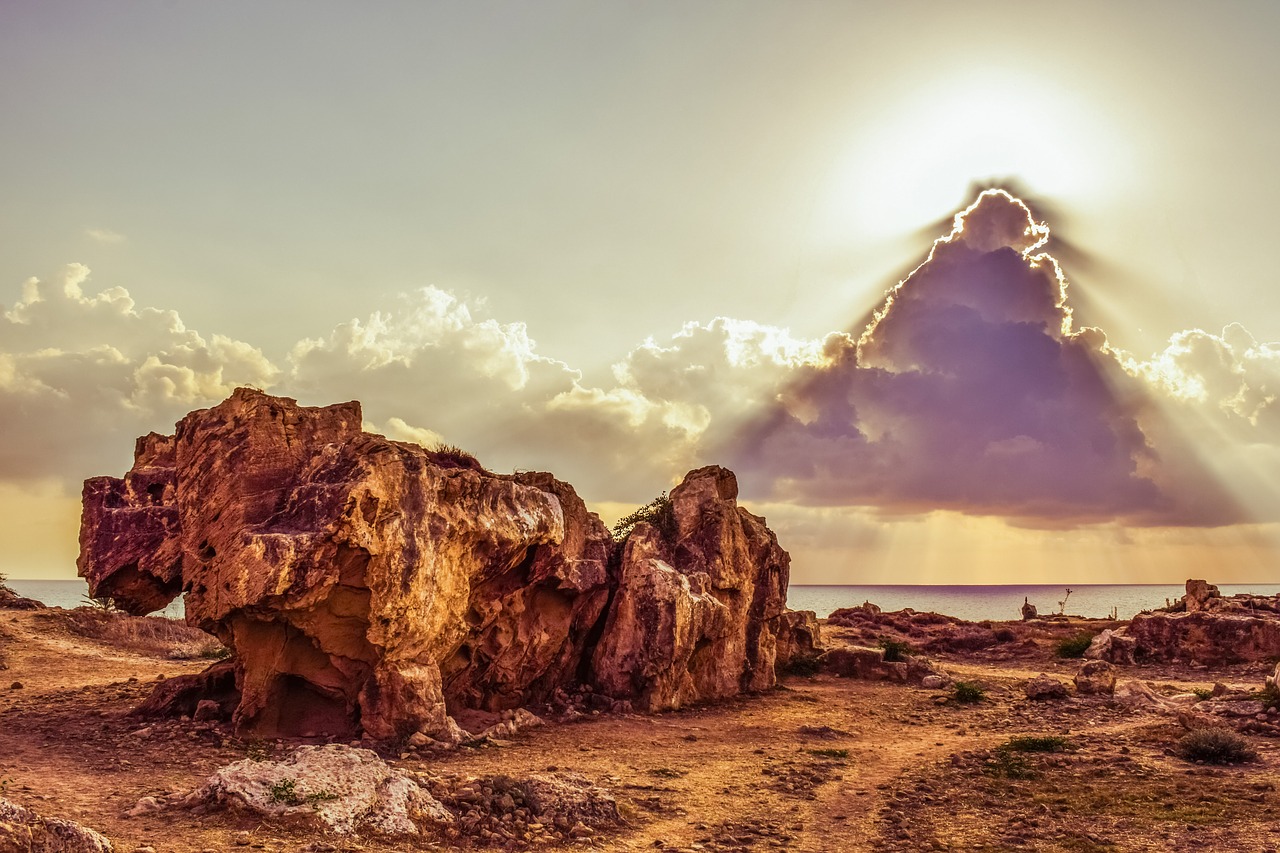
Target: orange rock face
(368, 586)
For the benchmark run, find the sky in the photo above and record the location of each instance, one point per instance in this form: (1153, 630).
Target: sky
(617, 241)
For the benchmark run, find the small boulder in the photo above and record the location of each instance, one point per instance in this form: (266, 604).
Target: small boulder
(1273, 680)
(22, 829)
(207, 710)
(1044, 687)
(1112, 647)
(1096, 677)
(933, 682)
(332, 788)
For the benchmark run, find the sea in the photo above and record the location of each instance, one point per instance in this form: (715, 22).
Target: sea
(971, 602)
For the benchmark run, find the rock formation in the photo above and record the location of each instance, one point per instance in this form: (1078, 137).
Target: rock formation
(674, 634)
(1202, 627)
(369, 586)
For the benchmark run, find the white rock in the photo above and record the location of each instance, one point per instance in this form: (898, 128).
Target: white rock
(341, 789)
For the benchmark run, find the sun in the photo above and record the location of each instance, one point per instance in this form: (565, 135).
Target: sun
(930, 145)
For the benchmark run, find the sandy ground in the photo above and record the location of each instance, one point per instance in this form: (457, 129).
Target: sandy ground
(895, 768)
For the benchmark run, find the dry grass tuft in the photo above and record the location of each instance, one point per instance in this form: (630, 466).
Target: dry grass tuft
(148, 635)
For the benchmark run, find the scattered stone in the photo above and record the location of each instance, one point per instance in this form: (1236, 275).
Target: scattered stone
(1044, 687)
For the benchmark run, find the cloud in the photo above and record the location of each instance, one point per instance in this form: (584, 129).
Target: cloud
(104, 235)
(82, 374)
(971, 391)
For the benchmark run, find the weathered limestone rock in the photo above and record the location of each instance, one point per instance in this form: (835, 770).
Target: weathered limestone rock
(373, 587)
(1200, 595)
(799, 638)
(1273, 680)
(333, 788)
(1044, 687)
(1096, 677)
(23, 830)
(1111, 646)
(1205, 636)
(346, 571)
(695, 617)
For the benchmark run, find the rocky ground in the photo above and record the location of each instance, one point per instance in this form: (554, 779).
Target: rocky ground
(818, 764)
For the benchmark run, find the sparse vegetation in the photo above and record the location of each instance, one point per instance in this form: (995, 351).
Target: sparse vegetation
(285, 791)
(452, 456)
(1202, 693)
(1269, 696)
(1035, 743)
(666, 773)
(967, 692)
(1075, 646)
(894, 650)
(658, 512)
(1215, 745)
(828, 752)
(104, 603)
(149, 635)
(1008, 764)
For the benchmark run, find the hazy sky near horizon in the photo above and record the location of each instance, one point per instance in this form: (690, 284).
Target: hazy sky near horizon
(617, 240)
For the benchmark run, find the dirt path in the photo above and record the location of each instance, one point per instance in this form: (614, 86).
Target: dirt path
(822, 764)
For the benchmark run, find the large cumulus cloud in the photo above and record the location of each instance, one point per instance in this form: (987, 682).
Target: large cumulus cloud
(82, 374)
(970, 390)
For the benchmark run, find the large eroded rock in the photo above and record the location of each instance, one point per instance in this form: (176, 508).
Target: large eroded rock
(369, 586)
(697, 612)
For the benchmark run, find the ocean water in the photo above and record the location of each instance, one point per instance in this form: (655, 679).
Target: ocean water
(974, 603)
(70, 594)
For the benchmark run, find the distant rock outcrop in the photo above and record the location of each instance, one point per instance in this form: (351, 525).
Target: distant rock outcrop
(1201, 627)
(369, 586)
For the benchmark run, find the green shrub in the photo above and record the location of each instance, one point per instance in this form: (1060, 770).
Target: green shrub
(1215, 746)
(1035, 743)
(658, 512)
(1008, 764)
(1203, 693)
(967, 693)
(894, 650)
(1075, 647)
(285, 791)
(829, 753)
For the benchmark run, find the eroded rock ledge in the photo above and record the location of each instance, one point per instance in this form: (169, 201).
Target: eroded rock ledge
(373, 587)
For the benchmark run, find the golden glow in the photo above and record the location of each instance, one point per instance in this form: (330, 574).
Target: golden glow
(929, 145)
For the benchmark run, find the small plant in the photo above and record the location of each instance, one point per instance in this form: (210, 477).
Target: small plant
(452, 456)
(1008, 764)
(1075, 646)
(1215, 745)
(894, 650)
(285, 791)
(968, 693)
(666, 773)
(256, 750)
(1035, 743)
(102, 603)
(1062, 605)
(658, 512)
(829, 753)
(1202, 693)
